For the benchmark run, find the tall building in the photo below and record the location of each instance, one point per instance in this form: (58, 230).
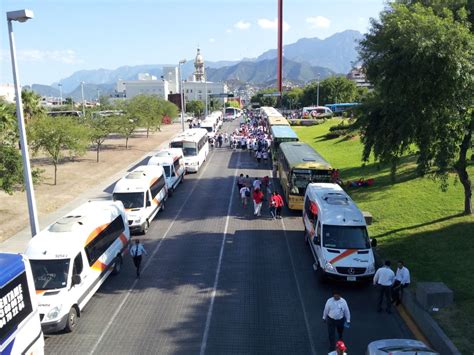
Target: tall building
(171, 75)
(199, 74)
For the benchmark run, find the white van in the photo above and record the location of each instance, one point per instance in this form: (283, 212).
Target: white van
(195, 145)
(337, 234)
(143, 192)
(172, 161)
(210, 125)
(72, 257)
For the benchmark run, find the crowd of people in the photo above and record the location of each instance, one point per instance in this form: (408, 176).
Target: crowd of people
(259, 190)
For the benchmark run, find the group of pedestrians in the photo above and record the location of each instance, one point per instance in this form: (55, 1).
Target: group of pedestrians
(391, 285)
(257, 190)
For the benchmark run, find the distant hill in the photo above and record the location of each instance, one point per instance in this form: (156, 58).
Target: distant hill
(45, 90)
(336, 52)
(264, 72)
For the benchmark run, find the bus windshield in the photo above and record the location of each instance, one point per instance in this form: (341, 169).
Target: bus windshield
(300, 178)
(130, 199)
(345, 237)
(167, 169)
(189, 148)
(50, 274)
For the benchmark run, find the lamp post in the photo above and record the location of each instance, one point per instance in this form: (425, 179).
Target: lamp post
(181, 91)
(23, 16)
(83, 102)
(205, 88)
(60, 94)
(317, 91)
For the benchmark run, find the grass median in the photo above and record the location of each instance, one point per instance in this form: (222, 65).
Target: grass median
(414, 221)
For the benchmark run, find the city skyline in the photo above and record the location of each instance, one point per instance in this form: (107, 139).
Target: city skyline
(64, 38)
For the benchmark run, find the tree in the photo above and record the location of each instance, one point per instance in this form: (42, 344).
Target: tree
(125, 123)
(148, 110)
(195, 107)
(100, 127)
(215, 104)
(263, 100)
(55, 135)
(334, 89)
(421, 66)
(31, 105)
(292, 99)
(170, 110)
(232, 104)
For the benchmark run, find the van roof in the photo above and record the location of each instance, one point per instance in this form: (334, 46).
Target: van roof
(69, 234)
(139, 179)
(336, 206)
(166, 156)
(190, 135)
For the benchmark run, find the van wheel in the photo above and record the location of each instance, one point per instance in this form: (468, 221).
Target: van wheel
(71, 320)
(170, 192)
(117, 265)
(305, 236)
(145, 227)
(162, 206)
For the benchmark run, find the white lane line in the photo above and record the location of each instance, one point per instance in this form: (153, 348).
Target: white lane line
(219, 263)
(305, 313)
(129, 291)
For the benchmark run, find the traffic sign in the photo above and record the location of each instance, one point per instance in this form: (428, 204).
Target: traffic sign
(271, 94)
(221, 95)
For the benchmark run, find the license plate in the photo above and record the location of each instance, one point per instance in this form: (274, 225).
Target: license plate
(351, 278)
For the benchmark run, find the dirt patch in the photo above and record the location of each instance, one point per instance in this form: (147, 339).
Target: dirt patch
(76, 176)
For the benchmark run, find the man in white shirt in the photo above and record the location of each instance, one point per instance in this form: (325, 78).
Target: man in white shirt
(402, 281)
(244, 195)
(383, 279)
(337, 315)
(257, 184)
(136, 251)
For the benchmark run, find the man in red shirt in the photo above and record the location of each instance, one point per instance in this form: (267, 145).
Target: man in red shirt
(257, 201)
(279, 204)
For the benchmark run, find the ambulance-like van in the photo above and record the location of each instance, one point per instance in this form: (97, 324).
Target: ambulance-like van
(143, 193)
(336, 232)
(172, 161)
(72, 257)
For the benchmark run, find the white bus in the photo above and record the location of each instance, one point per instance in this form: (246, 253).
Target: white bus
(195, 145)
(336, 232)
(172, 161)
(20, 327)
(72, 257)
(143, 193)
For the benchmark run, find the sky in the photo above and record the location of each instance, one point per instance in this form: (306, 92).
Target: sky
(70, 35)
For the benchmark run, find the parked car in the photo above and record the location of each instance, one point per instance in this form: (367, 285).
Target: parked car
(399, 346)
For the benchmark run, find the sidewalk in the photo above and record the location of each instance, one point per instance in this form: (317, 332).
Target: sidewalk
(19, 242)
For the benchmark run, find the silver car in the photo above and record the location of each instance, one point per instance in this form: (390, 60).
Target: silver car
(399, 346)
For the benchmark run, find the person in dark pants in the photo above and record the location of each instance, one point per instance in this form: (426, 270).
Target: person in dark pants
(383, 280)
(402, 281)
(136, 251)
(336, 314)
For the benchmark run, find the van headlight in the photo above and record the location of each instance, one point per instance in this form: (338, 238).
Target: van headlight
(54, 313)
(371, 269)
(329, 267)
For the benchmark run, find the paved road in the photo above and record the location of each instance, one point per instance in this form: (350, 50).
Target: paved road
(219, 280)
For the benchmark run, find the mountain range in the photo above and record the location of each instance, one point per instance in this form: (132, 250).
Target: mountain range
(303, 61)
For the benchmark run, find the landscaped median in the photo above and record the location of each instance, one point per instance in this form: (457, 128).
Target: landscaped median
(413, 221)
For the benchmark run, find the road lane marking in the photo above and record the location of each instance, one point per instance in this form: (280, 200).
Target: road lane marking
(219, 263)
(130, 290)
(305, 313)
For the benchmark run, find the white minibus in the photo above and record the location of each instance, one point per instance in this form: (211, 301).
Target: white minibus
(195, 145)
(210, 125)
(337, 234)
(20, 326)
(172, 161)
(143, 193)
(72, 257)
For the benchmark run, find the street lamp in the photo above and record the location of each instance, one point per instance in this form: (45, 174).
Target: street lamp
(205, 88)
(317, 91)
(23, 16)
(83, 102)
(181, 90)
(60, 94)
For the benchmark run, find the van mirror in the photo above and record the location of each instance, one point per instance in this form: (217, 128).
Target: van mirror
(76, 279)
(148, 203)
(316, 240)
(373, 242)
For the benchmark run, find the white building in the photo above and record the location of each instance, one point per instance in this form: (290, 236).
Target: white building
(146, 76)
(145, 85)
(171, 75)
(7, 92)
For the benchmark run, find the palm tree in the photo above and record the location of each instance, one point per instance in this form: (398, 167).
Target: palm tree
(31, 104)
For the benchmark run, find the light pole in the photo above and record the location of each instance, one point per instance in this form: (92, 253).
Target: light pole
(181, 91)
(98, 95)
(60, 94)
(83, 102)
(205, 87)
(23, 16)
(317, 91)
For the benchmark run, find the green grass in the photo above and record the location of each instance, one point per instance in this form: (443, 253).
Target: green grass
(414, 221)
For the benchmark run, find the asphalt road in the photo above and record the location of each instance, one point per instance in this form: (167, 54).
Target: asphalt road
(218, 280)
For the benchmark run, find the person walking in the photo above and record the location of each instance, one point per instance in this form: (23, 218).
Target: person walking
(340, 349)
(258, 156)
(402, 281)
(244, 195)
(257, 184)
(273, 205)
(337, 316)
(136, 251)
(240, 182)
(383, 280)
(257, 202)
(279, 205)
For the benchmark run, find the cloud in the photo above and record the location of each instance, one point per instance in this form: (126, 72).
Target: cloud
(212, 40)
(66, 56)
(318, 22)
(228, 30)
(267, 24)
(242, 25)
